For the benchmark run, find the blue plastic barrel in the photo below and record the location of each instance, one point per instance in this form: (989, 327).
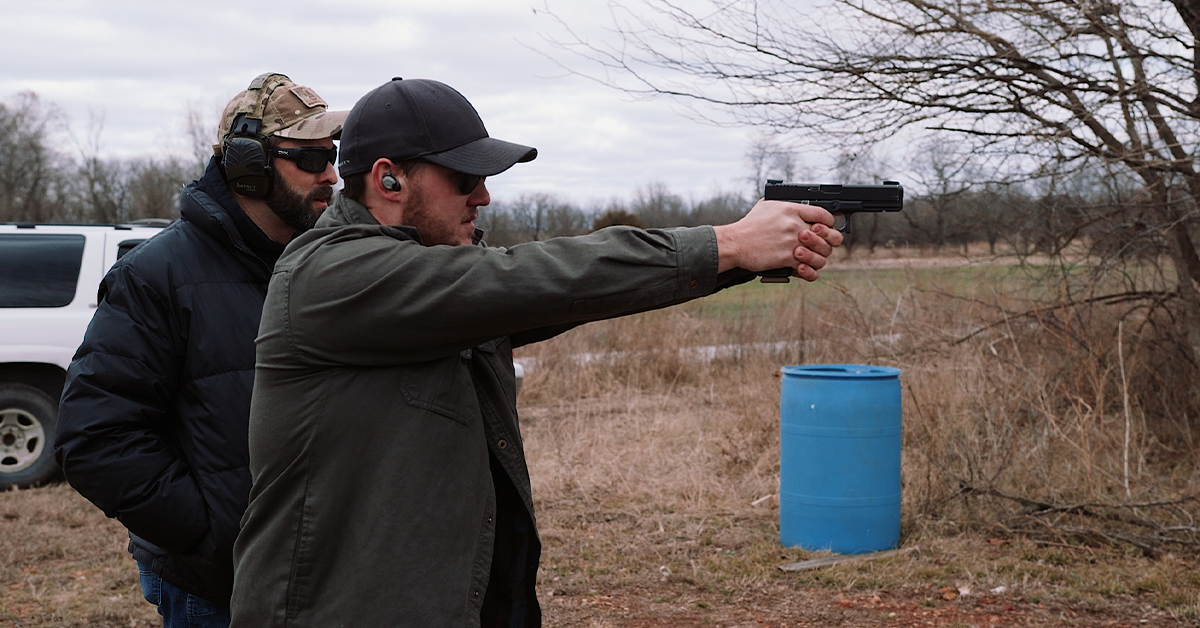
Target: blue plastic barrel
(840, 458)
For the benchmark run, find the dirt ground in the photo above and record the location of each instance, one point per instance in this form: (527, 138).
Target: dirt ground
(64, 565)
(816, 607)
(946, 584)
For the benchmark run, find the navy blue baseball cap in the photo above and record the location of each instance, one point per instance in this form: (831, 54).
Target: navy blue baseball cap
(423, 119)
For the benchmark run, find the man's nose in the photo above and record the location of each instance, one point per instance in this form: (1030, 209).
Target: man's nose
(329, 175)
(479, 196)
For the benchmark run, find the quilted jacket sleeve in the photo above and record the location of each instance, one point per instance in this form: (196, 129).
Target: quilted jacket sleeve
(110, 442)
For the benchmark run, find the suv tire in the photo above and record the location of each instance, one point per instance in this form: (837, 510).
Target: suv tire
(28, 422)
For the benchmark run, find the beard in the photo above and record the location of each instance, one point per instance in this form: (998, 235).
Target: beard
(433, 231)
(294, 209)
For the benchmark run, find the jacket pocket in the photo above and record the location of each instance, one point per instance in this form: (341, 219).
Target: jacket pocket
(441, 386)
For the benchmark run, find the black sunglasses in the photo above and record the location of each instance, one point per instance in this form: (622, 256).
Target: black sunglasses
(309, 158)
(466, 182)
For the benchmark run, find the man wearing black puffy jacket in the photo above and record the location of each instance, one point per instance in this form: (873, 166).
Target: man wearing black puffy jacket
(153, 418)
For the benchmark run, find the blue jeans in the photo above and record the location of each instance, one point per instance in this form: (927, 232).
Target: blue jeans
(180, 609)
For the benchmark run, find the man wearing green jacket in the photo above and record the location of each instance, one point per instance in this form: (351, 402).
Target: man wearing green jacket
(390, 484)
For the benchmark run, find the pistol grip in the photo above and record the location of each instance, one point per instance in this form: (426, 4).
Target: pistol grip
(775, 275)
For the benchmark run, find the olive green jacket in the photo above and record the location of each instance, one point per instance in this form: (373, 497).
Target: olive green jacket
(384, 377)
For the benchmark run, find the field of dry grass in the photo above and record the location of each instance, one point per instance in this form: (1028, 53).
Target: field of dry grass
(63, 564)
(1029, 485)
(1049, 477)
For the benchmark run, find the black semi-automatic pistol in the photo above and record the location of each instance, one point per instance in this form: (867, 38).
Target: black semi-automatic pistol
(837, 199)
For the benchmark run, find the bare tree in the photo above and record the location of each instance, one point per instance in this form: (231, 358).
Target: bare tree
(497, 225)
(48, 174)
(154, 185)
(770, 159)
(1053, 85)
(30, 184)
(657, 206)
(993, 213)
(946, 176)
(531, 217)
(201, 135)
(721, 208)
(100, 185)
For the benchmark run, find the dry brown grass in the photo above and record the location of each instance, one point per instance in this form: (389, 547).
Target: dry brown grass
(645, 462)
(63, 564)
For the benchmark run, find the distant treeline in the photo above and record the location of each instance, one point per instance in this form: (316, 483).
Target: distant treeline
(537, 216)
(1041, 217)
(42, 182)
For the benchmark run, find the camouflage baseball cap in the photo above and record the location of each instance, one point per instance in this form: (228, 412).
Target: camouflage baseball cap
(286, 109)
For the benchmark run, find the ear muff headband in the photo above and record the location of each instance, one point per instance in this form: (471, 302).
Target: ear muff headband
(244, 155)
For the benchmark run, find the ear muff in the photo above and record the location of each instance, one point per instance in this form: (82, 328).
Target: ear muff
(245, 159)
(389, 183)
(244, 155)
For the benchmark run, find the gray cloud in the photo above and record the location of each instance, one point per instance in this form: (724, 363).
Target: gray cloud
(141, 63)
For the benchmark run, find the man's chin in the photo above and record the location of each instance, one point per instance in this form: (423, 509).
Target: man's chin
(467, 233)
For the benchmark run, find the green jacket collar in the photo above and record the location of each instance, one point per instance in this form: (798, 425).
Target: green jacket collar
(347, 211)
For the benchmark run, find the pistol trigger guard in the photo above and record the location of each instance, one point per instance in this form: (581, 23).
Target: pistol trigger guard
(845, 228)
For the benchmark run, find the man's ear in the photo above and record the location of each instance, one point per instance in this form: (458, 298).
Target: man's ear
(384, 199)
(386, 179)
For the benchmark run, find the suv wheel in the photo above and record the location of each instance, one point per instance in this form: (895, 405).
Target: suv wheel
(28, 418)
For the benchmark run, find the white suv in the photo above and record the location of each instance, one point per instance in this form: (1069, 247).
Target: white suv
(49, 277)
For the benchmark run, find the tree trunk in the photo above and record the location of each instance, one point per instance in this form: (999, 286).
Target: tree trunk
(1187, 269)
(1187, 264)
(1183, 253)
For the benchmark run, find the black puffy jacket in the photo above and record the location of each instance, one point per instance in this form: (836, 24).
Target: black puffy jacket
(153, 417)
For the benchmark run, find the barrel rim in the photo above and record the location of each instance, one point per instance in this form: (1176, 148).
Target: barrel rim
(841, 371)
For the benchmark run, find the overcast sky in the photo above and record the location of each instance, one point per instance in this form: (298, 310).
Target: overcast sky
(140, 63)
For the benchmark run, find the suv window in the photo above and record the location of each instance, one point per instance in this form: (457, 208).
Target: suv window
(126, 247)
(39, 270)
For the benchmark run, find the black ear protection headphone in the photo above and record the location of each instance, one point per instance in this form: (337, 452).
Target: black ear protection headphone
(244, 155)
(389, 183)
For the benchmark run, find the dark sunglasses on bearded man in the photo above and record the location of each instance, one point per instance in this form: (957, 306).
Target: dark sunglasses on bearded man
(308, 158)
